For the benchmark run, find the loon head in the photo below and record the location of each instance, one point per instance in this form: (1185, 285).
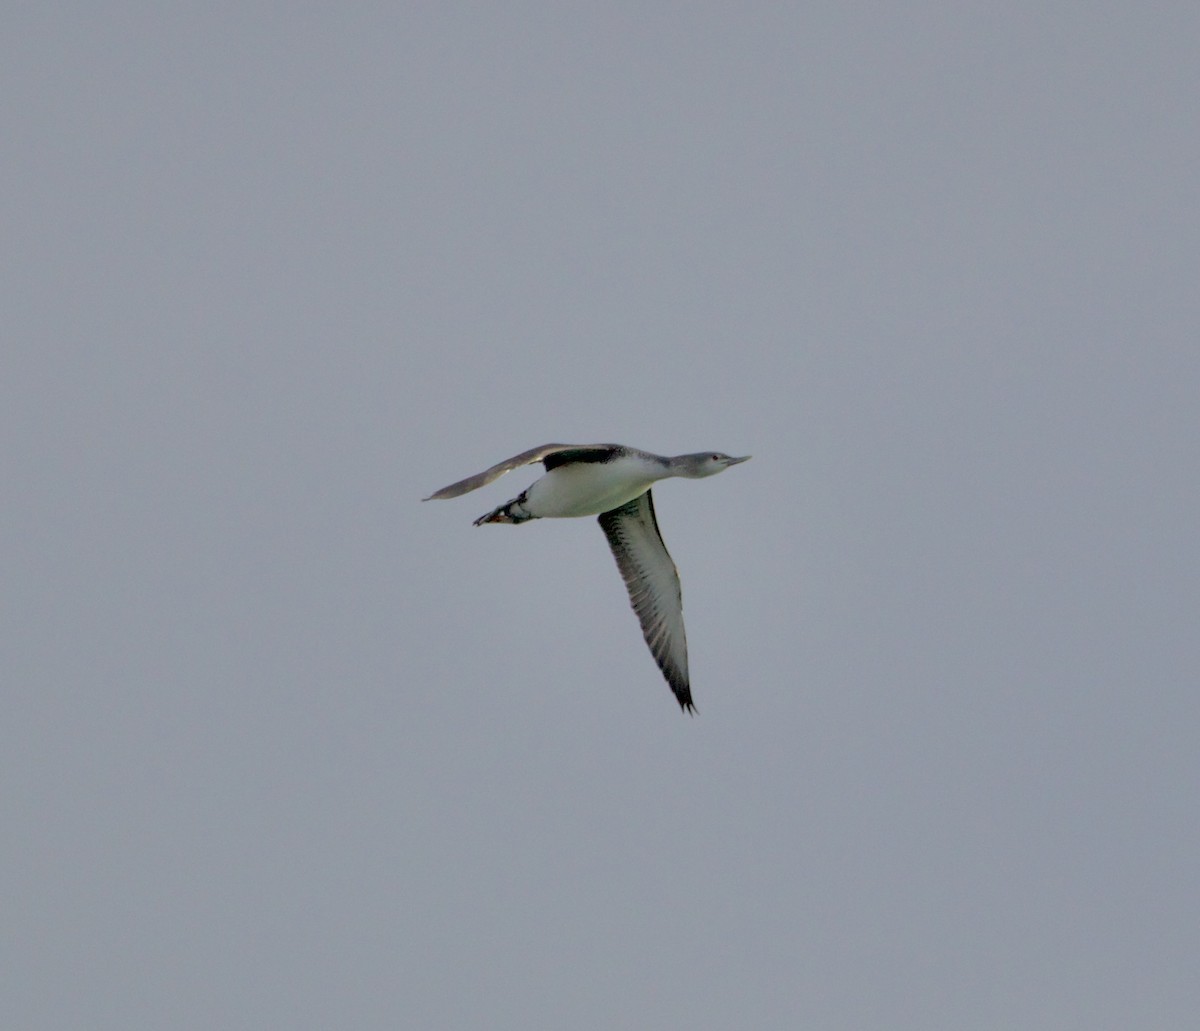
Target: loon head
(704, 463)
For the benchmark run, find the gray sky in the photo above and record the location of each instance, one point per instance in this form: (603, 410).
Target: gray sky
(283, 747)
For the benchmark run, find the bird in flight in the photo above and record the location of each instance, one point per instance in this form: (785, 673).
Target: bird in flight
(613, 482)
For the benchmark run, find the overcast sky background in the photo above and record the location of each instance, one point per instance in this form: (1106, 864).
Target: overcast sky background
(283, 747)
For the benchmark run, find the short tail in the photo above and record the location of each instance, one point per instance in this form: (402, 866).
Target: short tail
(512, 512)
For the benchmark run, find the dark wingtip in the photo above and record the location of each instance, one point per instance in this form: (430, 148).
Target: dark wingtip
(682, 691)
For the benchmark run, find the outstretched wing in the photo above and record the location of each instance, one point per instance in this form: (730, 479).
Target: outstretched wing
(653, 584)
(534, 454)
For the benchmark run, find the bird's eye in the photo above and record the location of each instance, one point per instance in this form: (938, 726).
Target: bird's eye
(715, 458)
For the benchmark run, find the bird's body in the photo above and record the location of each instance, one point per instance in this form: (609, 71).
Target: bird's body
(613, 482)
(583, 488)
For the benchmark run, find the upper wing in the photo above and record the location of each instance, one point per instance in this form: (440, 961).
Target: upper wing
(535, 454)
(653, 584)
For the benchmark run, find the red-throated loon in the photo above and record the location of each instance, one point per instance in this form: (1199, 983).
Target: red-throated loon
(613, 482)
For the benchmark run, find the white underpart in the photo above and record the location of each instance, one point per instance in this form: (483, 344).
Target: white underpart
(589, 488)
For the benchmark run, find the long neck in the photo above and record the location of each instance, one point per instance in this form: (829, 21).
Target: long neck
(680, 465)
